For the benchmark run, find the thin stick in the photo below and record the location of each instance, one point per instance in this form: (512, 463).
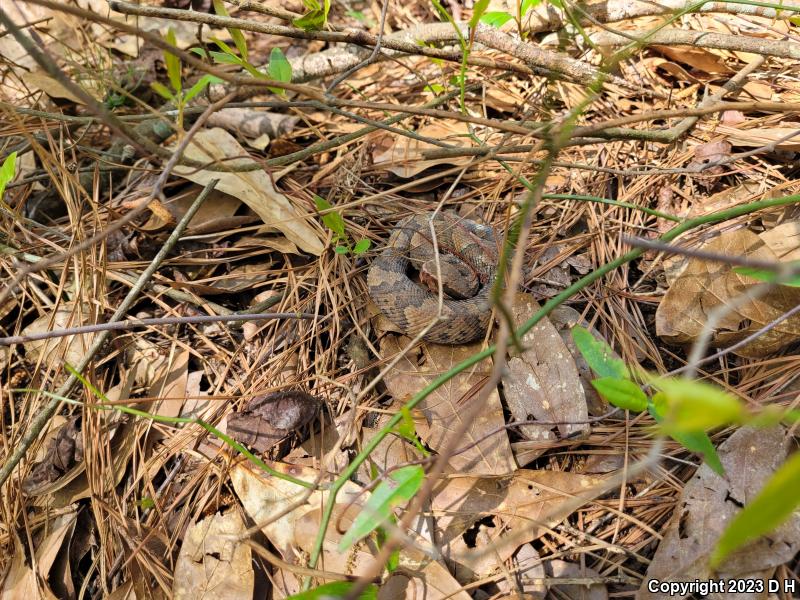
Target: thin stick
(134, 323)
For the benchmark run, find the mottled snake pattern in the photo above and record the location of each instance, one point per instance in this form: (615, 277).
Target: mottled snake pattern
(412, 307)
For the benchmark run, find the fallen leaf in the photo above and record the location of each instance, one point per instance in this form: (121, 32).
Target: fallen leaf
(22, 581)
(445, 406)
(528, 574)
(212, 564)
(55, 352)
(254, 188)
(783, 138)
(705, 286)
(709, 502)
(697, 58)
(403, 156)
(543, 383)
(422, 579)
(783, 240)
(291, 525)
(525, 504)
(269, 418)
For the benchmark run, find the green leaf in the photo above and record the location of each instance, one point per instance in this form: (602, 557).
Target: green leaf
(693, 406)
(394, 558)
(400, 486)
(316, 17)
(528, 5)
(477, 12)
(313, 21)
(696, 441)
(599, 355)
(795, 21)
(496, 18)
(434, 88)
(172, 62)
(341, 249)
(226, 49)
(334, 591)
(162, 90)
(279, 69)
(146, 502)
(332, 220)
(771, 276)
(236, 34)
(201, 52)
(198, 87)
(362, 246)
(225, 58)
(622, 393)
(773, 505)
(7, 172)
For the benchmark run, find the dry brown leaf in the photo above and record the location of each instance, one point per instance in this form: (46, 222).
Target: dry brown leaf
(392, 450)
(564, 318)
(698, 58)
(422, 579)
(528, 574)
(212, 216)
(731, 196)
(783, 240)
(21, 580)
(543, 383)
(528, 501)
(269, 418)
(704, 286)
(445, 406)
(57, 351)
(757, 137)
(170, 388)
(708, 504)
(212, 564)
(403, 156)
(254, 188)
(293, 534)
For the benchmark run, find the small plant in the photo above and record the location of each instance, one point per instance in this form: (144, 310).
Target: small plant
(500, 18)
(316, 17)
(685, 409)
(333, 221)
(278, 69)
(177, 95)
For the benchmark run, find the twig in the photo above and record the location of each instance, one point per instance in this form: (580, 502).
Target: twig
(136, 323)
(367, 61)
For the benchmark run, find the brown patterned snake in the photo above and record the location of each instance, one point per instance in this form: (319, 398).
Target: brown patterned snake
(411, 306)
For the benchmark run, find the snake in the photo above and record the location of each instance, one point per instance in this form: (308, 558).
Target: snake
(412, 307)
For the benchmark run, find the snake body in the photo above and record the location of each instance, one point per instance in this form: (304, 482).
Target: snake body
(412, 307)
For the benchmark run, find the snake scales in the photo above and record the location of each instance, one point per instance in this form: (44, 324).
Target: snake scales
(412, 307)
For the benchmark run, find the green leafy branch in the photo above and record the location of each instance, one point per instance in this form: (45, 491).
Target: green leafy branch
(685, 409)
(334, 221)
(278, 68)
(177, 95)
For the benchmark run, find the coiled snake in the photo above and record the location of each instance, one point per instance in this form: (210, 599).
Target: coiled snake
(412, 307)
